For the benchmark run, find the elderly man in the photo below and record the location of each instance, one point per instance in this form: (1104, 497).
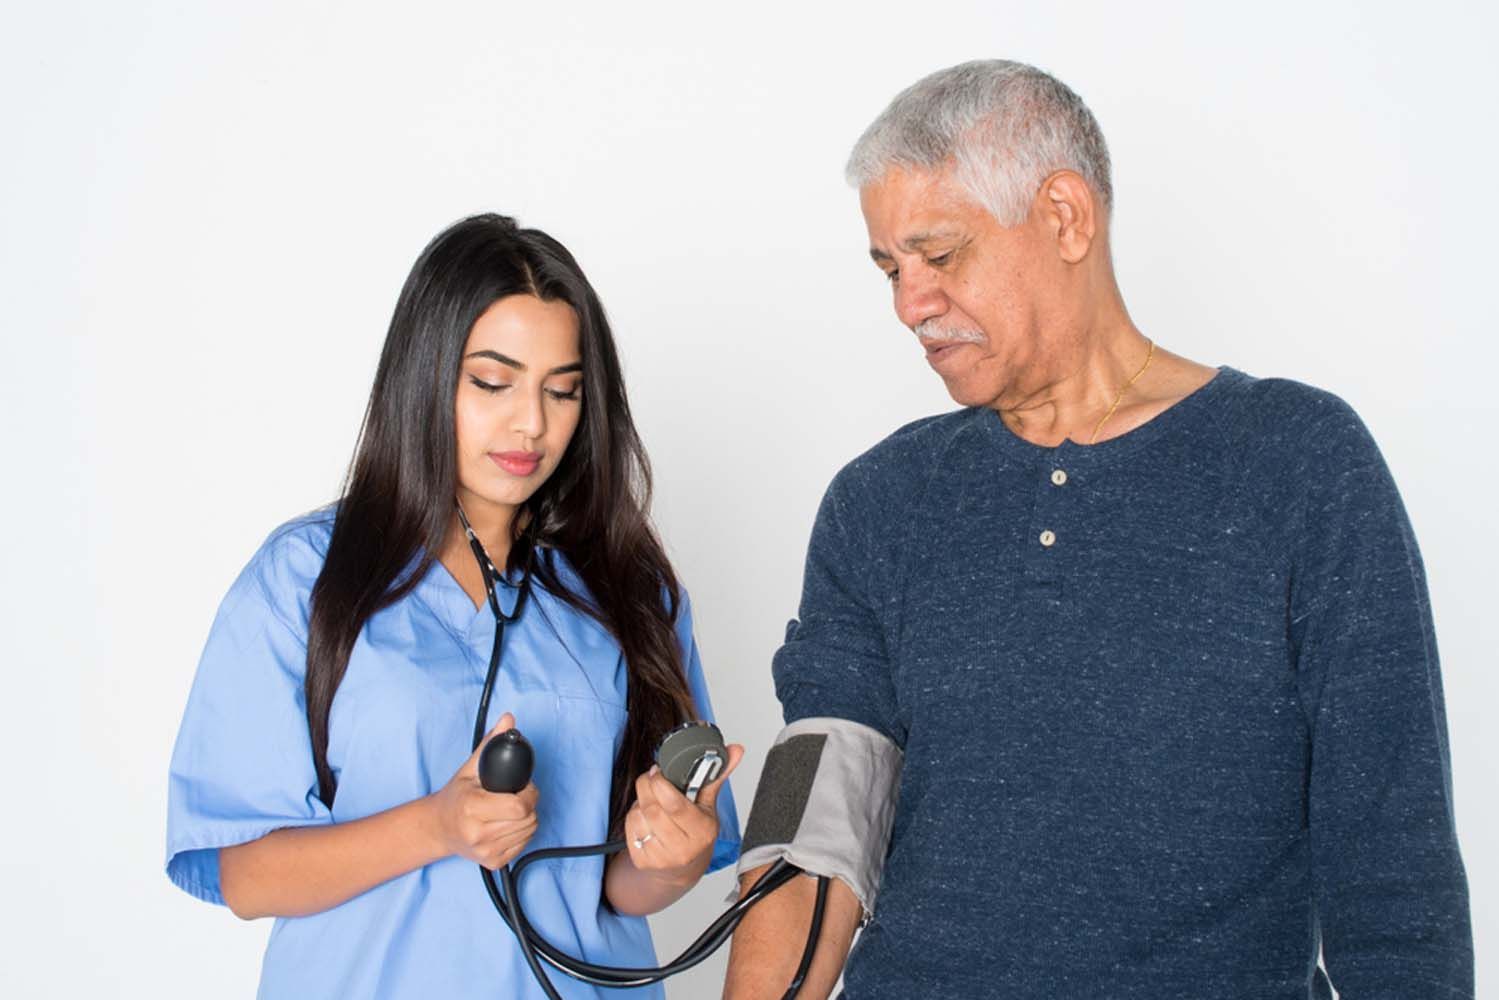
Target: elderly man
(1135, 654)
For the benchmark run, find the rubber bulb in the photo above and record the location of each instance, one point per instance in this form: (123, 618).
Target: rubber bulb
(506, 762)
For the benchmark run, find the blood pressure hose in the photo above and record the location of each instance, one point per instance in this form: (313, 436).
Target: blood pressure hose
(505, 765)
(689, 756)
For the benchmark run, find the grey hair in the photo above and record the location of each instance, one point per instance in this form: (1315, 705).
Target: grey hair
(1002, 126)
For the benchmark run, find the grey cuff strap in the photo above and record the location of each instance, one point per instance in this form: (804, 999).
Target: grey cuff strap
(825, 803)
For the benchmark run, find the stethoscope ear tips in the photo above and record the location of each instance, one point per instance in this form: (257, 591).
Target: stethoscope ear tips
(506, 762)
(692, 755)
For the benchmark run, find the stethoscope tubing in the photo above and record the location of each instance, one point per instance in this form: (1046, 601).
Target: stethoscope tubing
(505, 895)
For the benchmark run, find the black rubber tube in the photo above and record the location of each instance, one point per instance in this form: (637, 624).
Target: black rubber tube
(812, 935)
(507, 903)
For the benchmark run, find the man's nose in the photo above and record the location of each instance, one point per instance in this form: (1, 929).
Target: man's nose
(918, 296)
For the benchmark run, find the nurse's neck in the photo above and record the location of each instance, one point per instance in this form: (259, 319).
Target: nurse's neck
(491, 524)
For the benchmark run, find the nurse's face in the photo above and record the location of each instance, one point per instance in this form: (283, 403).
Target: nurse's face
(519, 399)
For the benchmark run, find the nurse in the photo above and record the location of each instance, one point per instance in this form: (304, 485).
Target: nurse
(323, 773)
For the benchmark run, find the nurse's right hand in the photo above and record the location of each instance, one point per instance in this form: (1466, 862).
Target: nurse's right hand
(490, 828)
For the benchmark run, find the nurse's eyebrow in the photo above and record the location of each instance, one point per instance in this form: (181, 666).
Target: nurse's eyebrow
(576, 366)
(497, 356)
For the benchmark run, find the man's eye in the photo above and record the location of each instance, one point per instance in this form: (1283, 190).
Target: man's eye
(488, 387)
(892, 276)
(940, 259)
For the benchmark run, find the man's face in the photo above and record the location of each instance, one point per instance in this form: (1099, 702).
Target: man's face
(987, 302)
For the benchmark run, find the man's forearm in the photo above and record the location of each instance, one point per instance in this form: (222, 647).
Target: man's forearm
(769, 941)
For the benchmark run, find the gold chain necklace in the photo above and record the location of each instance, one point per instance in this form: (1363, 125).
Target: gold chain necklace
(1122, 390)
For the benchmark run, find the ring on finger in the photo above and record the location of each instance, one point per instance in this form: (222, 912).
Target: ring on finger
(640, 842)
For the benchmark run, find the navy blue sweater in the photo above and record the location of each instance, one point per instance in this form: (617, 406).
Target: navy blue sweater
(1170, 708)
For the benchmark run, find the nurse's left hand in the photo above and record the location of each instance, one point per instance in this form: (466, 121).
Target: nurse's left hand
(675, 836)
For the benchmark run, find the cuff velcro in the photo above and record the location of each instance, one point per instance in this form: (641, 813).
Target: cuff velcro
(826, 803)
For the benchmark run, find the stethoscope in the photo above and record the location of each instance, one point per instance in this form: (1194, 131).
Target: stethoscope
(691, 754)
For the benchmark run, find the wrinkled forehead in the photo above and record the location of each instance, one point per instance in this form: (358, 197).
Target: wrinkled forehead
(909, 207)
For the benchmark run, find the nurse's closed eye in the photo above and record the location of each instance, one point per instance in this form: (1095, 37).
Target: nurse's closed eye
(489, 387)
(566, 394)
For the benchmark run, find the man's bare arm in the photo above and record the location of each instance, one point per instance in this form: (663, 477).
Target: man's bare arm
(768, 943)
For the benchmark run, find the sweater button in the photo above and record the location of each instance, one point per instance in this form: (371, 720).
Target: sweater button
(1048, 538)
(1058, 478)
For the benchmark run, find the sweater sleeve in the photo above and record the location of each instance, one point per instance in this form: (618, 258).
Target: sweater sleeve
(835, 659)
(1391, 893)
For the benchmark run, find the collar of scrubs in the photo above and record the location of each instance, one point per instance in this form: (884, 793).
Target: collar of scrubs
(447, 599)
(442, 592)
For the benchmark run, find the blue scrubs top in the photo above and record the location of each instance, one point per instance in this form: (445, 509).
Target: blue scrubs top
(400, 726)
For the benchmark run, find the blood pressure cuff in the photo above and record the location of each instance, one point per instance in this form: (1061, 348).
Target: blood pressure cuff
(825, 803)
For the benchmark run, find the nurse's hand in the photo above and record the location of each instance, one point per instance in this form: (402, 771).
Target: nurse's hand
(491, 828)
(670, 837)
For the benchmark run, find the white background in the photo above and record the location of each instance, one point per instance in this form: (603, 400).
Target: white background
(206, 212)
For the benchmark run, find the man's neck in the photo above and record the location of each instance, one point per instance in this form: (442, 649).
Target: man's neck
(1070, 403)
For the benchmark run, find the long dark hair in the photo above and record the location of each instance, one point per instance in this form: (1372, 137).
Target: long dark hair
(398, 498)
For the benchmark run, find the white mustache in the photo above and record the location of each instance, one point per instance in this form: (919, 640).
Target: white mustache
(929, 330)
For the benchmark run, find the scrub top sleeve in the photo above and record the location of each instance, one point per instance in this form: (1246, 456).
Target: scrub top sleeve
(726, 847)
(242, 765)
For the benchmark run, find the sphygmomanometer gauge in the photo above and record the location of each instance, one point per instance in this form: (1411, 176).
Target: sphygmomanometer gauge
(691, 755)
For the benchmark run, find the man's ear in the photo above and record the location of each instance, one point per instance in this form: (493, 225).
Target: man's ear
(1071, 212)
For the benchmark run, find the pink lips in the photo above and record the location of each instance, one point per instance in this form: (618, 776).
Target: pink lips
(517, 463)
